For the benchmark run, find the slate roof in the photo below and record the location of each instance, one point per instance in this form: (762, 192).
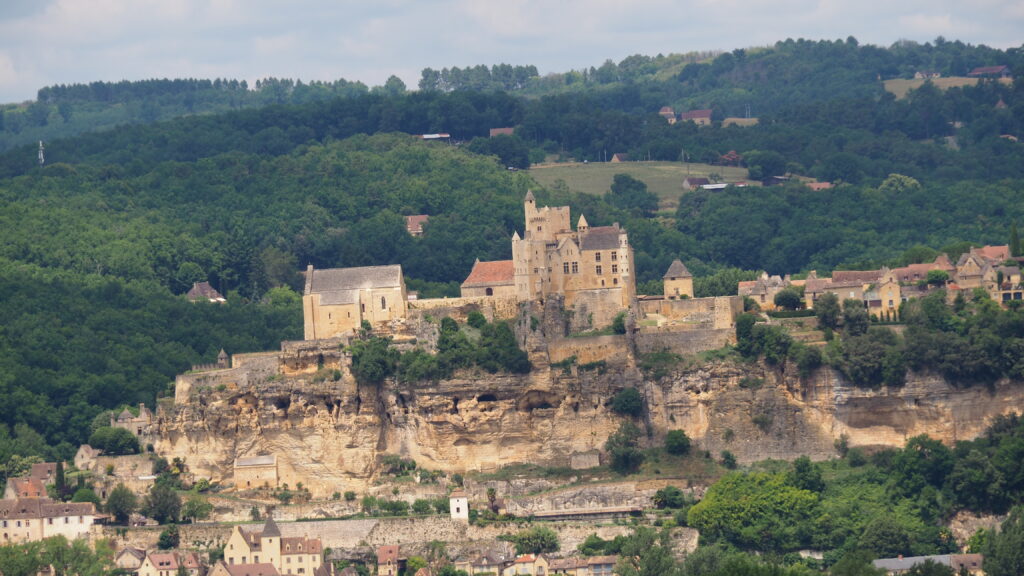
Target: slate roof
(984, 70)
(44, 471)
(270, 529)
(251, 569)
(491, 273)
(342, 285)
(993, 252)
(203, 290)
(677, 270)
(299, 545)
(908, 562)
(44, 508)
(601, 238)
(862, 276)
(133, 552)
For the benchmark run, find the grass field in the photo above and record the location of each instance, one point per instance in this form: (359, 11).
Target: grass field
(900, 86)
(663, 178)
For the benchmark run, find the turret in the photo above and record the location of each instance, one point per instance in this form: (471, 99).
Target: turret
(582, 225)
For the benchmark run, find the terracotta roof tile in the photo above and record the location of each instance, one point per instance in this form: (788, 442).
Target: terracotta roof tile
(491, 273)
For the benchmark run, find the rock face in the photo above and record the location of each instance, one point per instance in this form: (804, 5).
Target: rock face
(329, 434)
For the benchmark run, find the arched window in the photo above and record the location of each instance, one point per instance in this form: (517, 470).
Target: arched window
(383, 303)
(489, 291)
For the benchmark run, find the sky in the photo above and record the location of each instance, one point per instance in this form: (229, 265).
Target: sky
(46, 42)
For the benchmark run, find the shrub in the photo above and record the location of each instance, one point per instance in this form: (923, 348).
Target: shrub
(728, 460)
(628, 402)
(476, 319)
(350, 496)
(622, 447)
(539, 540)
(677, 442)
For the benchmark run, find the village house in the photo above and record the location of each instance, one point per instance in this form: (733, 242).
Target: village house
(527, 564)
(698, 117)
(483, 564)
(86, 456)
(31, 519)
(694, 182)
(296, 555)
(389, 561)
(202, 291)
(26, 487)
(170, 563)
(414, 224)
(591, 267)
(135, 424)
(129, 560)
(620, 157)
(763, 290)
(926, 74)
(494, 278)
(338, 300)
(507, 131)
(991, 72)
(668, 114)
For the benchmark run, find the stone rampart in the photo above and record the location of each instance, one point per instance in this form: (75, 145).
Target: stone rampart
(684, 342)
(696, 313)
(252, 371)
(492, 307)
(587, 349)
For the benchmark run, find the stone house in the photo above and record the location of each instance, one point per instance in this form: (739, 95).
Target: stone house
(495, 278)
(483, 564)
(129, 560)
(30, 519)
(389, 561)
(991, 72)
(202, 291)
(698, 117)
(528, 565)
(337, 300)
(763, 290)
(694, 182)
(27, 487)
(135, 424)
(169, 564)
(414, 224)
(286, 555)
(45, 472)
(591, 267)
(86, 457)
(255, 471)
(668, 114)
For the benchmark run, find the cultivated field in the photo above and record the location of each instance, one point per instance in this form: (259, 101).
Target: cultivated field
(900, 86)
(663, 178)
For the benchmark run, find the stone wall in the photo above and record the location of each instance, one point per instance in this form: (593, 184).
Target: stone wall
(593, 309)
(683, 342)
(252, 370)
(493, 307)
(696, 313)
(586, 349)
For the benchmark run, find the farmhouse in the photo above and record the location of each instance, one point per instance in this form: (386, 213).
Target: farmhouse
(698, 117)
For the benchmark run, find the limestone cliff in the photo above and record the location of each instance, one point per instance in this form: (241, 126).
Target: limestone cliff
(328, 432)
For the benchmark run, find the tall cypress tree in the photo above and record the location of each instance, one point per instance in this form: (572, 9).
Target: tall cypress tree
(1014, 240)
(59, 482)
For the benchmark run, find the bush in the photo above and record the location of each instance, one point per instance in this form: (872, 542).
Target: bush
(628, 402)
(539, 540)
(169, 538)
(619, 323)
(728, 460)
(476, 319)
(350, 496)
(677, 442)
(669, 497)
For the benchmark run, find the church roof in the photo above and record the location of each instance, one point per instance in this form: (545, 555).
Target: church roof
(270, 529)
(491, 273)
(677, 270)
(601, 238)
(342, 285)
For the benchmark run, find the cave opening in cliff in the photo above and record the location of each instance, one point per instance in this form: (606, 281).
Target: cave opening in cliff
(487, 398)
(282, 403)
(455, 405)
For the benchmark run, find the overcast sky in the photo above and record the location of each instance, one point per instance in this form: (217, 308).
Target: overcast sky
(44, 42)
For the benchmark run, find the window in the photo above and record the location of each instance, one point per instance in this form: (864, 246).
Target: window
(615, 268)
(565, 268)
(615, 281)
(489, 291)
(49, 521)
(598, 269)
(362, 308)
(383, 303)
(535, 270)
(615, 256)
(575, 267)
(597, 257)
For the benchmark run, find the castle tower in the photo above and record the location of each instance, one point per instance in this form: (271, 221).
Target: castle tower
(582, 226)
(678, 281)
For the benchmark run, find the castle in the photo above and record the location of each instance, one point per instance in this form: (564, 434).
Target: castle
(591, 268)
